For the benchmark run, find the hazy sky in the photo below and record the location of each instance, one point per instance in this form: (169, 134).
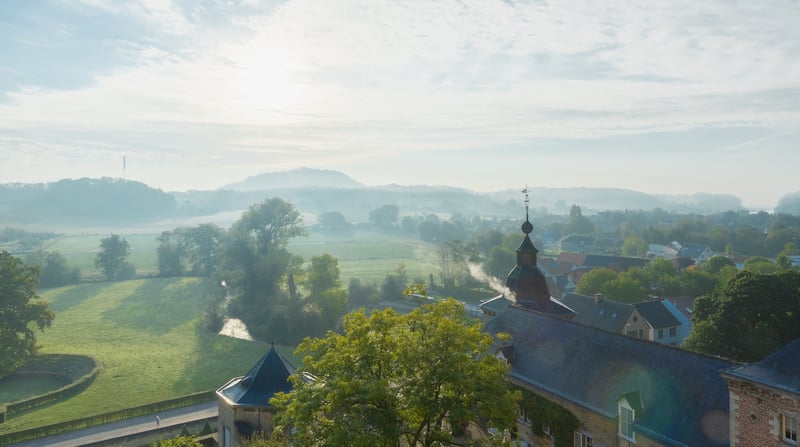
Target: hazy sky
(657, 96)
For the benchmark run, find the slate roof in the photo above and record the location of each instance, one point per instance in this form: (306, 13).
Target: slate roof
(780, 369)
(692, 250)
(684, 396)
(267, 377)
(656, 314)
(599, 313)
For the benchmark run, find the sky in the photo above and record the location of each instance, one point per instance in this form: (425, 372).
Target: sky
(670, 97)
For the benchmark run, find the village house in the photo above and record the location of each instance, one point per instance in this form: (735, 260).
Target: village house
(765, 400)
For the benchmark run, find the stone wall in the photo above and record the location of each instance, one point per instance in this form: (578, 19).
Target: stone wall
(756, 414)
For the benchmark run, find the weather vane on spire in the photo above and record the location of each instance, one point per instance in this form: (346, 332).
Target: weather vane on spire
(527, 201)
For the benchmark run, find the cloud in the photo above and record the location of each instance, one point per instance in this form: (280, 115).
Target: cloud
(309, 82)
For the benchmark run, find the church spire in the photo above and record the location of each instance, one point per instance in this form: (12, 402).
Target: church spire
(526, 280)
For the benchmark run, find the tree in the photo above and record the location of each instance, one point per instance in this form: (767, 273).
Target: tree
(272, 222)
(171, 251)
(20, 307)
(759, 264)
(716, 263)
(595, 281)
(749, 317)
(391, 379)
(634, 246)
(180, 441)
(112, 258)
(326, 291)
(360, 294)
(384, 216)
(202, 244)
(578, 223)
(54, 271)
(501, 261)
(332, 220)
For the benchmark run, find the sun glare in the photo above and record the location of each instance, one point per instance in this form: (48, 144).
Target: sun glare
(264, 81)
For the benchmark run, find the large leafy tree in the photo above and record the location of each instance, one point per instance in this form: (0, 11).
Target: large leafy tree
(578, 223)
(271, 222)
(385, 216)
(326, 290)
(416, 379)
(112, 258)
(749, 317)
(20, 308)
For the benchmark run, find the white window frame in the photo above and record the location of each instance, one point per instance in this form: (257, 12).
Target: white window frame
(582, 439)
(789, 428)
(625, 426)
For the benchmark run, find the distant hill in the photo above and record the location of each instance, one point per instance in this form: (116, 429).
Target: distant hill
(296, 178)
(104, 200)
(313, 191)
(591, 200)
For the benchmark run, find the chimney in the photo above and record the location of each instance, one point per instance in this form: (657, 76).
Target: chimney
(598, 297)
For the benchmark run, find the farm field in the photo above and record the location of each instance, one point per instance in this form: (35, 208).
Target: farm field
(147, 337)
(367, 255)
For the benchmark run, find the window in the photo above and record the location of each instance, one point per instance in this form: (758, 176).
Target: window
(672, 331)
(626, 418)
(789, 425)
(661, 333)
(582, 440)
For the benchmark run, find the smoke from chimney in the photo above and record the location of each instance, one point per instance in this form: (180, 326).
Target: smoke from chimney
(476, 271)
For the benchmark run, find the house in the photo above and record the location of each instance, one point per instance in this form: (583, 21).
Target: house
(592, 261)
(608, 315)
(699, 253)
(681, 308)
(661, 251)
(244, 406)
(576, 243)
(663, 325)
(622, 390)
(765, 400)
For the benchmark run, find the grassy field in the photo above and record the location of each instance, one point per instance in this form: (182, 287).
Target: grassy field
(147, 338)
(366, 255)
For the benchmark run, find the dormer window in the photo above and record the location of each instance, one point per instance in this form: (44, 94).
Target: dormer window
(626, 418)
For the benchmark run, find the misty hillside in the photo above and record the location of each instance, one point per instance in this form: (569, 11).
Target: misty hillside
(296, 178)
(313, 191)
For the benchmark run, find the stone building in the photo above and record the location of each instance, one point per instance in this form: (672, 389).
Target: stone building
(623, 391)
(765, 400)
(244, 406)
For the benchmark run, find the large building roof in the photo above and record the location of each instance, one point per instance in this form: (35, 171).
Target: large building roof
(270, 375)
(684, 397)
(780, 369)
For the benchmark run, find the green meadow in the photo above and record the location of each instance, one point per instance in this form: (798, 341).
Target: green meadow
(146, 336)
(364, 254)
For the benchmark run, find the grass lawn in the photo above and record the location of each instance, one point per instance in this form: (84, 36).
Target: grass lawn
(146, 337)
(369, 255)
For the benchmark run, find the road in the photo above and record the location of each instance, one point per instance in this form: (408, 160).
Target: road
(178, 416)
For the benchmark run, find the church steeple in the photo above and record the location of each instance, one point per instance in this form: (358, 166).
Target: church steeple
(525, 279)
